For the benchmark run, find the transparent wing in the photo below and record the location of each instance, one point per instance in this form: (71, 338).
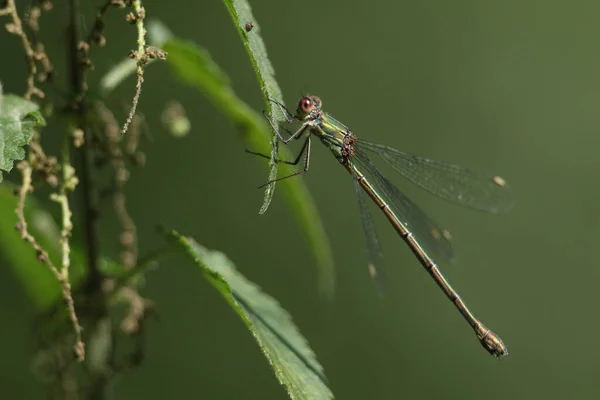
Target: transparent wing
(374, 255)
(448, 181)
(434, 240)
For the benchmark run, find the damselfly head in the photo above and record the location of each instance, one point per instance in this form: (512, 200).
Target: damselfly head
(307, 105)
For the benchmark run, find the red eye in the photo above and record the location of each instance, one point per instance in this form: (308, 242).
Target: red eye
(305, 104)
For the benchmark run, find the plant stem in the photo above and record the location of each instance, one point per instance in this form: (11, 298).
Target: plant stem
(90, 211)
(69, 181)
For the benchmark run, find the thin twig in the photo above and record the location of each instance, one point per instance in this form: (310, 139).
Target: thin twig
(22, 226)
(140, 57)
(78, 86)
(33, 22)
(69, 181)
(118, 157)
(43, 257)
(16, 27)
(138, 307)
(95, 34)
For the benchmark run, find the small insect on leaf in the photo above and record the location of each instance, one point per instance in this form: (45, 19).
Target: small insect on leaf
(248, 26)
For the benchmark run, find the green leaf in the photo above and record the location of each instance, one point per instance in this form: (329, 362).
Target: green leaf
(39, 283)
(194, 66)
(18, 119)
(241, 13)
(291, 358)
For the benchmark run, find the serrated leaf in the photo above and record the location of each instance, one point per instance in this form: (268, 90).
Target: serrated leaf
(18, 119)
(194, 66)
(287, 351)
(241, 13)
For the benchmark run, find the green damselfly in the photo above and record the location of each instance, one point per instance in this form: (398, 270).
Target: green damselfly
(423, 237)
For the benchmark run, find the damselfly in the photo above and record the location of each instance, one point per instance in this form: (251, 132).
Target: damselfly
(423, 237)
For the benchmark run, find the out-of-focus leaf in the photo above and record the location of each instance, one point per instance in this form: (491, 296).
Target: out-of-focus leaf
(291, 358)
(18, 119)
(117, 75)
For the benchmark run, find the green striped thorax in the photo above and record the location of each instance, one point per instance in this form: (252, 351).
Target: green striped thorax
(331, 131)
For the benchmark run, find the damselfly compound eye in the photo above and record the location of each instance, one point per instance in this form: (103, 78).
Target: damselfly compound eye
(305, 104)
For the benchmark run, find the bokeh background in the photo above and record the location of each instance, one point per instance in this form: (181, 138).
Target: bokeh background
(510, 88)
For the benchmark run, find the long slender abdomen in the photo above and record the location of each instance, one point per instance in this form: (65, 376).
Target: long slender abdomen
(490, 341)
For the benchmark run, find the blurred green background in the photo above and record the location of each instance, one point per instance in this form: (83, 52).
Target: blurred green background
(510, 88)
